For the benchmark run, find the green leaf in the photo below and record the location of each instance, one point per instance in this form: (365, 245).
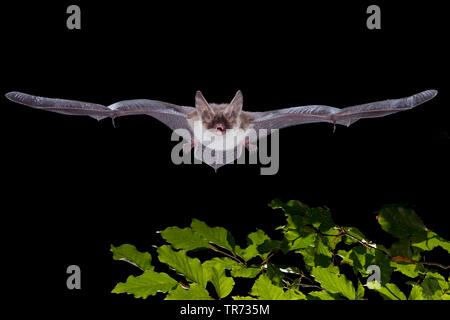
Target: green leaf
(317, 255)
(345, 255)
(185, 238)
(195, 292)
(361, 258)
(322, 254)
(217, 235)
(433, 286)
(264, 289)
(391, 292)
(416, 293)
(245, 272)
(191, 268)
(274, 274)
(258, 237)
(354, 232)
(403, 250)
(384, 263)
(359, 255)
(299, 215)
(255, 239)
(293, 294)
(408, 269)
(323, 295)
(225, 263)
(130, 254)
(304, 240)
(308, 255)
(220, 281)
(333, 281)
(430, 241)
(360, 291)
(373, 285)
(149, 283)
(331, 242)
(237, 269)
(274, 245)
(243, 298)
(400, 222)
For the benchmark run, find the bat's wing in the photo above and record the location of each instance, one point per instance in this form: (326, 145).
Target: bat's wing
(350, 115)
(173, 116)
(283, 118)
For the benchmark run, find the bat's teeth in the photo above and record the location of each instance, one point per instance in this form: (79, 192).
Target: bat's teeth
(220, 129)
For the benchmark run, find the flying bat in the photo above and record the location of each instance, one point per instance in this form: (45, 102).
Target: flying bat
(221, 131)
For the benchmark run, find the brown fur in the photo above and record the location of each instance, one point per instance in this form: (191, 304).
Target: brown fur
(219, 117)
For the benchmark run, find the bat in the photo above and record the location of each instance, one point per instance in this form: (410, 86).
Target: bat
(221, 131)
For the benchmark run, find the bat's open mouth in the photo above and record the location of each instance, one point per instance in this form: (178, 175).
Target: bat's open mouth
(220, 129)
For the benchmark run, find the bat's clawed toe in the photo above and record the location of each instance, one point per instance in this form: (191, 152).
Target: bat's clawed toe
(252, 148)
(187, 147)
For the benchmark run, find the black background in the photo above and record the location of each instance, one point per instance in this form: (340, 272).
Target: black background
(74, 186)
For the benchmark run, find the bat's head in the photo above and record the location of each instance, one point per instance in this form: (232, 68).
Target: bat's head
(219, 118)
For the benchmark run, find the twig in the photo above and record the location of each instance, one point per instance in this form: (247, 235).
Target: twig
(267, 259)
(304, 276)
(235, 258)
(310, 286)
(434, 264)
(342, 231)
(364, 244)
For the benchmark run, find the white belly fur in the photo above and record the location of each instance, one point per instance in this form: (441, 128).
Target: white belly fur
(228, 141)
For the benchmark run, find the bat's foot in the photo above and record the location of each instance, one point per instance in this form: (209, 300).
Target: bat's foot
(252, 148)
(187, 147)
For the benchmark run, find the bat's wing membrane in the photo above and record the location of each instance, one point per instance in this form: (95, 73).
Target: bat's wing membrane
(283, 118)
(70, 107)
(173, 116)
(350, 115)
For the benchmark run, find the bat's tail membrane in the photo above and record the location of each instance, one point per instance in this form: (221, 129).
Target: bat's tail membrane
(70, 107)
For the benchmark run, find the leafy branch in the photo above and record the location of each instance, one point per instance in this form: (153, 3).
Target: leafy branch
(322, 249)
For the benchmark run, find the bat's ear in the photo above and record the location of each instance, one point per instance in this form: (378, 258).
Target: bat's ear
(203, 108)
(235, 106)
